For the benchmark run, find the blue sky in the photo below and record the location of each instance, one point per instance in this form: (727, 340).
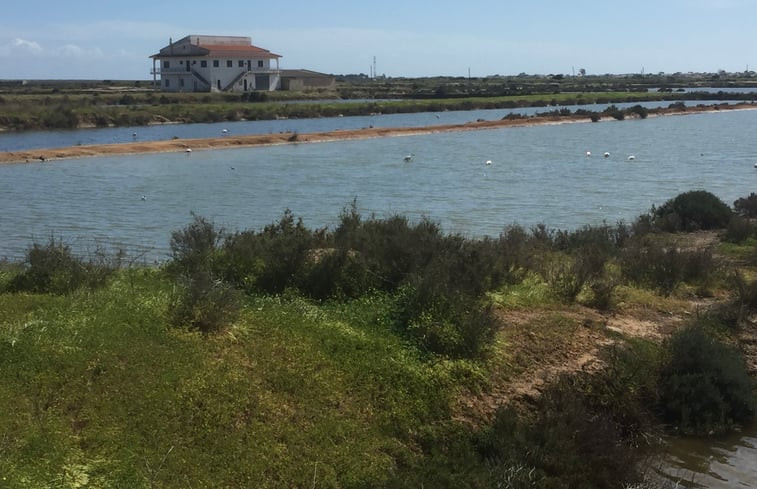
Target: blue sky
(113, 40)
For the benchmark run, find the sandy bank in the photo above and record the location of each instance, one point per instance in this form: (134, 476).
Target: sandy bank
(182, 145)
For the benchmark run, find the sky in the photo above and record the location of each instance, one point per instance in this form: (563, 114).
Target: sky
(106, 40)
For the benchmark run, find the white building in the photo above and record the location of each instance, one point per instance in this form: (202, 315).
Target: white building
(215, 63)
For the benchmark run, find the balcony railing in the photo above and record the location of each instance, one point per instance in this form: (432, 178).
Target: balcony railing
(183, 69)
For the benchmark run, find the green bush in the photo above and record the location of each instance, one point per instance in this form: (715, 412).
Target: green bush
(638, 110)
(52, 268)
(692, 211)
(739, 230)
(270, 260)
(195, 246)
(650, 262)
(392, 249)
(567, 275)
(746, 206)
(705, 386)
(441, 307)
(204, 301)
(614, 112)
(571, 440)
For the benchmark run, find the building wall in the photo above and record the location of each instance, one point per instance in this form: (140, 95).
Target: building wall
(307, 83)
(177, 75)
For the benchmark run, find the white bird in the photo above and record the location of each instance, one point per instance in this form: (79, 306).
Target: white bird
(224, 131)
(588, 154)
(409, 158)
(488, 162)
(188, 150)
(144, 197)
(607, 154)
(631, 158)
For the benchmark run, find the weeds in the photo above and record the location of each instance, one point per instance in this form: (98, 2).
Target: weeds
(52, 268)
(705, 386)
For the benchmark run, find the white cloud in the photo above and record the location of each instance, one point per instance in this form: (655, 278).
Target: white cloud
(74, 51)
(20, 46)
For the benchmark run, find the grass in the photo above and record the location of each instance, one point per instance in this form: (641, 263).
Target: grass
(35, 111)
(98, 388)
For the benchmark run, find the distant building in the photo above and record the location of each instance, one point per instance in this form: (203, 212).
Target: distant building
(215, 64)
(302, 80)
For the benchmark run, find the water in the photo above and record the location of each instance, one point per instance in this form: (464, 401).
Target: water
(722, 463)
(22, 141)
(538, 175)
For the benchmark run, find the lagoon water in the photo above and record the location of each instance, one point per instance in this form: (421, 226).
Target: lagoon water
(537, 175)
(20, 141)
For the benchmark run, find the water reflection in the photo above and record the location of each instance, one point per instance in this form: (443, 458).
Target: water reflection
(716, 463)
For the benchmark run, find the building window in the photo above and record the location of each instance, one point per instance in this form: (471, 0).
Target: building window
(229, 63)
(260, 63)
(181, 62)
(181, 82)
(166, 64)
(241, 63)
(203, 64)
(215, 63)
(168, 83)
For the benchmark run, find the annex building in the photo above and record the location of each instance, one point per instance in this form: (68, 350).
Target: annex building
(215, 64)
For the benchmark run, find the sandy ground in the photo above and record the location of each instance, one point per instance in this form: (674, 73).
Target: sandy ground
(184, 145)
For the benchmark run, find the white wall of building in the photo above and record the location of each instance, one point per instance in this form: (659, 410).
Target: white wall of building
(177, 74)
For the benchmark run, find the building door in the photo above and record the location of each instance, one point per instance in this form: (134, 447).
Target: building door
(249, 65)
(189, 68)
(245, 84)
(262, 82)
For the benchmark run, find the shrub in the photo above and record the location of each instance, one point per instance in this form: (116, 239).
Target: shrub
(743, 302)
(270, 260)
(339, 274)
(746, 206)
(639, 110)
(567, 276)
(571, 440)
(705, 386)
(614, 112)
(204, 301)
(515, 253)
(691, 211)
(195, 246)
(739, 230)
(650, 262)
(52, 268)
(441, 306)
(392, 249)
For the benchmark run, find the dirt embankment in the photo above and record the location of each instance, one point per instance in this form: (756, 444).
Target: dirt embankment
(186, 145)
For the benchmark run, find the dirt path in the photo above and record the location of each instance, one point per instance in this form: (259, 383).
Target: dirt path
(537, 346)
(541, 345)
(184, 145)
